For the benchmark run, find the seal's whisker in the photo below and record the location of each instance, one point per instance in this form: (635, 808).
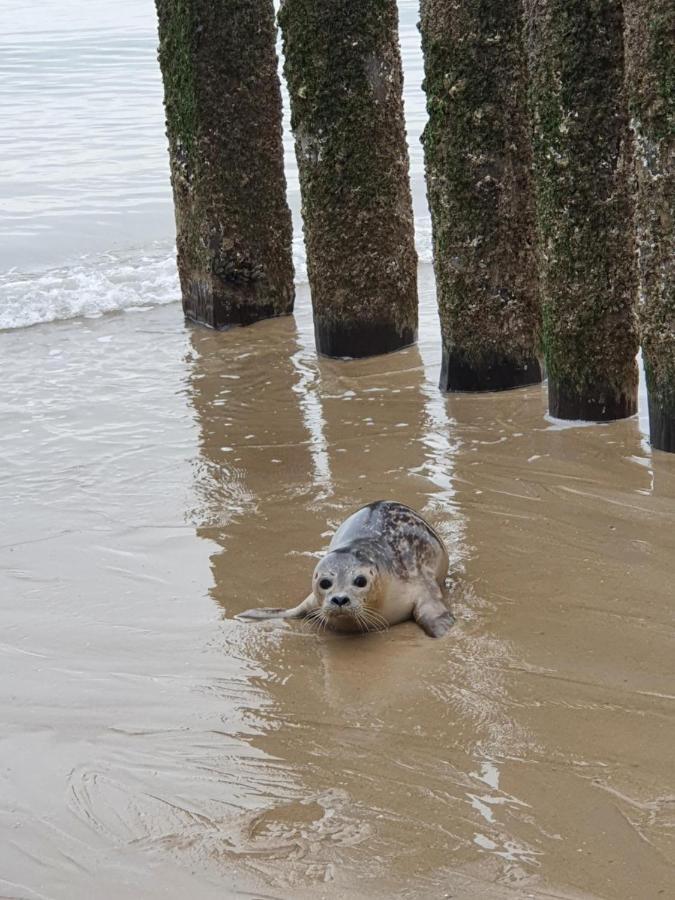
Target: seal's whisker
(374, 620)
(317, 619)
(371, 620)
(362, 621)
(372, 614)
(314, 620)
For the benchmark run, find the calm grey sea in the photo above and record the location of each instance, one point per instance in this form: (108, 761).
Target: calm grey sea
(86, 220)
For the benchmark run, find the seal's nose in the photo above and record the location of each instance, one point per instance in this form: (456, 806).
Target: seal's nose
(339, 601)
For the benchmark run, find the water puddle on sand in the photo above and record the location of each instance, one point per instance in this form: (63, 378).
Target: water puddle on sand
(158, 479)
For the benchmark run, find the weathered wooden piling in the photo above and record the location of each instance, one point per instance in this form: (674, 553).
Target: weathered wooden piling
(343, 68)
(582, 166)
(650, 78)
(223, 114)
(478, 159)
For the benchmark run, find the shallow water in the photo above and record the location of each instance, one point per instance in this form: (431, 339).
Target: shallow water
(158, 479)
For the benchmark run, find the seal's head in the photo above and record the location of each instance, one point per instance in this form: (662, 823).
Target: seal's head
(347, 587)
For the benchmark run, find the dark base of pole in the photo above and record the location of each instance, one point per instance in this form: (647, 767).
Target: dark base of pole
(661, 427)
(223, 312)
(599, 404)
(241, 316)
(359, 339)
(492, 373)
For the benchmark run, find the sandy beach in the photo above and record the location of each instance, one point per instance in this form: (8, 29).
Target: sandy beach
(159, 478)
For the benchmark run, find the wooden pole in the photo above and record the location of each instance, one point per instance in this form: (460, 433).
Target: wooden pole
(583, 164)
(650, 78)
(343, 67)
(223, 114)
(478, 159)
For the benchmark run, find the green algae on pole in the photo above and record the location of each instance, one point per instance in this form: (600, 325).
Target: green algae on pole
(223, 114)
(582, 171)
(343, 68)
(478, 158)
(650, 78)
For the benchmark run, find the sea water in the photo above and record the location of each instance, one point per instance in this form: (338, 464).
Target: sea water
(86, 215)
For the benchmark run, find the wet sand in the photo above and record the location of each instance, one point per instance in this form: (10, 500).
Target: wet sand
(159, 479)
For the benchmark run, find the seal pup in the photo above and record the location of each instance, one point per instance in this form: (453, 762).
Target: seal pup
(384, 565)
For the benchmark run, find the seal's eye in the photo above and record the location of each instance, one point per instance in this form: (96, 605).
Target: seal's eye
(360, 581)
(325, 583)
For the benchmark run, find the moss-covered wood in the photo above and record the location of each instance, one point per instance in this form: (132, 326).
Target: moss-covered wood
(343, 68)
(650, 77)
(582, 166)
(478, 159)
(223, 113)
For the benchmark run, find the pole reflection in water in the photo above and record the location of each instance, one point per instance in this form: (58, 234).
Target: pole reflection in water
(358, 742)
(253, 475)
(308, 389)
(474, 686)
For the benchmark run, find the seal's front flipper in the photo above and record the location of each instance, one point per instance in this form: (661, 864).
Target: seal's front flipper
(264, 612)
(271, 612)
(432, 615)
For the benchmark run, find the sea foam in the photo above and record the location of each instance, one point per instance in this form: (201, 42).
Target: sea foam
(110, 282)
(90, 286)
